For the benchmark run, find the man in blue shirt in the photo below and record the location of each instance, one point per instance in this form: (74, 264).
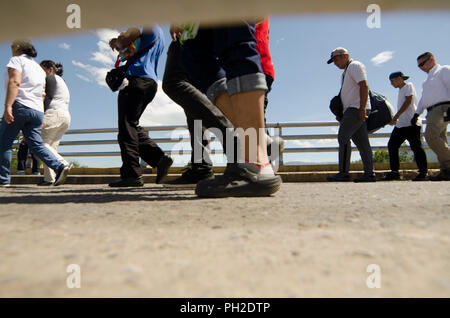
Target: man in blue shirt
(141, 75)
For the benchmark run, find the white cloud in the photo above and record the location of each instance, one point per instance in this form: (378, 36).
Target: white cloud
(103, 56)
(106, 34)
(84, 78)
(382, 57)
(98, 73)
(303, 144)
(162, 111)
(64, 46)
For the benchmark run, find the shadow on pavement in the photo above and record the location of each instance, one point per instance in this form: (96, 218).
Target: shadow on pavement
(55, 195)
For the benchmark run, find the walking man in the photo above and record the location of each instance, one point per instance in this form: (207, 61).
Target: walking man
(133, 99)
(436, 100)
(356, 106)
(406, 107)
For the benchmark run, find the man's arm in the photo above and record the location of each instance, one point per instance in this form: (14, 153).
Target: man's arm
(406, 104)
(15, 78)
(363, 95)
(50, 89)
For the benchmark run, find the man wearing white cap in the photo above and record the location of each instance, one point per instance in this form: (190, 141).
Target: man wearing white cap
(356, 105)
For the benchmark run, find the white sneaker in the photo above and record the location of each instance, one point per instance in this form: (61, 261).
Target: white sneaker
(4, 185)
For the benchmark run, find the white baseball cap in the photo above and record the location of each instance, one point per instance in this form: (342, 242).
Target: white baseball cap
(336, 52)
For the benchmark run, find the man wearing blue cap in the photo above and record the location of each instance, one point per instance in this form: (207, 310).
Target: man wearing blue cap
(404, 130)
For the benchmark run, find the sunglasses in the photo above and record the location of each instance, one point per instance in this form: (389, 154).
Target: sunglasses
(423, 63)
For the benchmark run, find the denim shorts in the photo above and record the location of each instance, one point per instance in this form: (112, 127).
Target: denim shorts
(224, 59)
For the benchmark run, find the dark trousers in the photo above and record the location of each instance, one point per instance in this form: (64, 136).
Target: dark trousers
(351, 127)
(133, 140)
(178, 86)
(398, 137)
(22, 156)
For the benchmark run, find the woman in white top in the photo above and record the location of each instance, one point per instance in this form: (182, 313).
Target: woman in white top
(24, 111)
(56, 115)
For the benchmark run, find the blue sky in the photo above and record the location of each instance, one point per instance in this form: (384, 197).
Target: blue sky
(304, 83)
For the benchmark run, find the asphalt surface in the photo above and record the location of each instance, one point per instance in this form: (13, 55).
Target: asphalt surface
(309, 240)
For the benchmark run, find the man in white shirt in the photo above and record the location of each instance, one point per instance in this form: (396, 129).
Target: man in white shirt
(406, 106)
(436, 100)
(356, 104)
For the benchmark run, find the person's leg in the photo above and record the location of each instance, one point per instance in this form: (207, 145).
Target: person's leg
(349, 124)
(51, 138)
(149, 151)
(203, 164)
(246, 84)
(178, 86)
(131, 102)
(413, 137)
(395, 141)
(235, 47)
(8, 133)
(436, 136)
(22, 156)
(32, 132)
(36, 163)
(361, 140)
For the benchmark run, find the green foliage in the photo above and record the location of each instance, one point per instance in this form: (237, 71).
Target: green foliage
(76, 164)
(382, 156)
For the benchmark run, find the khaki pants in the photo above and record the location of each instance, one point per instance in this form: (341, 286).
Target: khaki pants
(436, 135)
(56, 122)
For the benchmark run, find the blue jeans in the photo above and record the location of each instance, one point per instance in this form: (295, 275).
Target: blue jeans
(224, 59)
(29, 121)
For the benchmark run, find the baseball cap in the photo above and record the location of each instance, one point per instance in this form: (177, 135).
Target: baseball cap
(336, 52)
(398, 74)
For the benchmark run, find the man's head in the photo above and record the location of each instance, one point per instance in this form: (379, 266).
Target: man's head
(426, 62)
(340, 57)
(398, 79)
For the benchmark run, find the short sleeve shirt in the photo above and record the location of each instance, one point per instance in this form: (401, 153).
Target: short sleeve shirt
(355, 73)
(31, 88)
(146, 65)
(405, 119)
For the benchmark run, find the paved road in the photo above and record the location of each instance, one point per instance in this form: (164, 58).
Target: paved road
(311, 239)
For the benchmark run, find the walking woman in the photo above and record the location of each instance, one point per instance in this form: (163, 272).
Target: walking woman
(24, 110)
(56, 115)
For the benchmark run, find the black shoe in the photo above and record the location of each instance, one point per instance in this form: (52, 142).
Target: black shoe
(339, 177)
(45, 183)
(421, 177)
(444, 175)
(393, 175)
(163, 168)
(128, 182)
(61, 175)
(239, 180)
(189, 178)
(366, 178)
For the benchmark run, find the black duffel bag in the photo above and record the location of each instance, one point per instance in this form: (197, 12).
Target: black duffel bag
(381, 112)
(336, 106)
(115, 77)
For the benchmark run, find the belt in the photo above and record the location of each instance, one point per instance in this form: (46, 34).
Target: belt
(437, 105)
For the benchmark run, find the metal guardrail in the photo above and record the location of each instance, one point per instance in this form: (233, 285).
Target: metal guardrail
(278, 127)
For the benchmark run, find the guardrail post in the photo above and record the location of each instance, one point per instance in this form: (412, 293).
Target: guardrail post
(279, 130)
